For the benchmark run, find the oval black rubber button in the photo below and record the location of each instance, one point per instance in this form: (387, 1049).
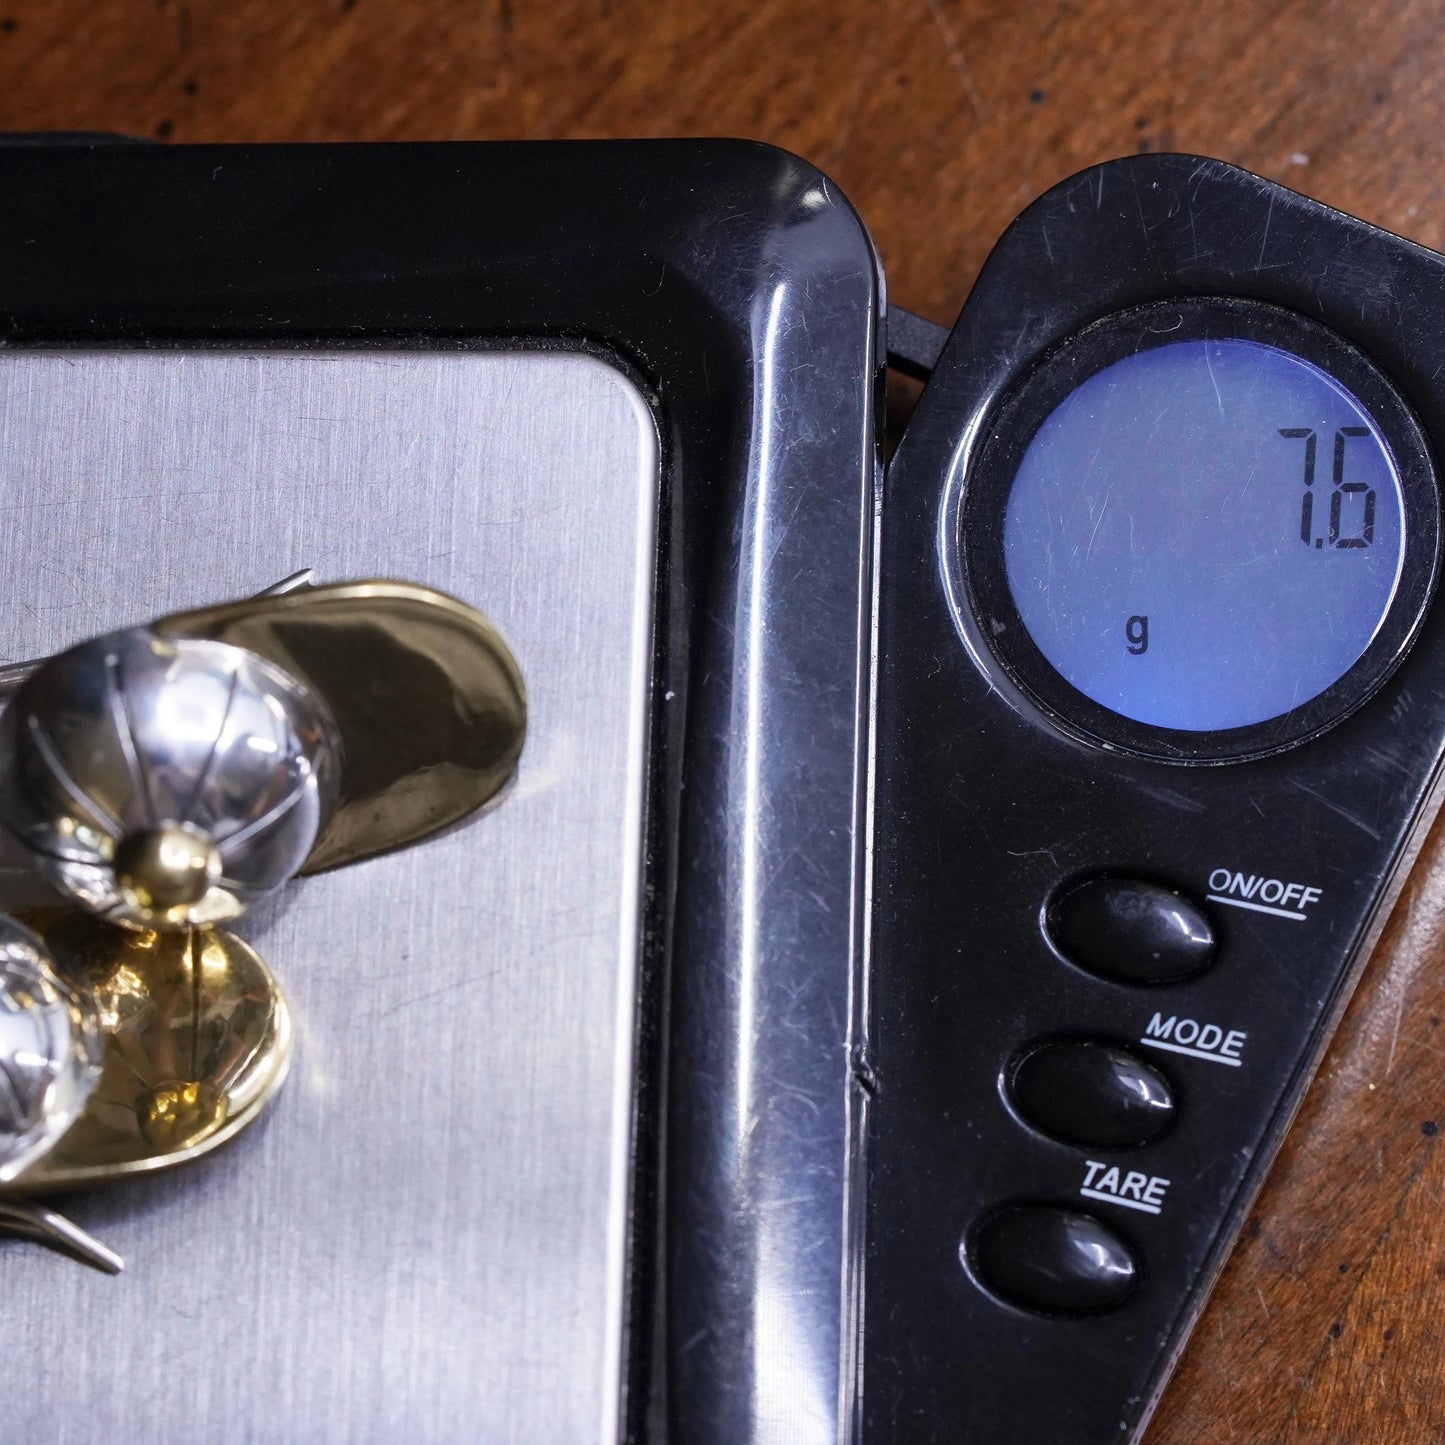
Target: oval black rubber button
(1090, 1093)
(1054, 1261)
(1131, 930)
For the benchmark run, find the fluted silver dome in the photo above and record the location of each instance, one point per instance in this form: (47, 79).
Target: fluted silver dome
(51, 1047)
(165, 782)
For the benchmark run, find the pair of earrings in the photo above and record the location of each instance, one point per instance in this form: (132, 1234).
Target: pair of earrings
(164, 778)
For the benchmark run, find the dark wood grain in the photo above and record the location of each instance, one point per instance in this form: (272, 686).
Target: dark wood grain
(941, 119)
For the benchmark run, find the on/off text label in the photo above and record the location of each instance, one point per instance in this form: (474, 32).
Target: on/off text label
(1261, 894)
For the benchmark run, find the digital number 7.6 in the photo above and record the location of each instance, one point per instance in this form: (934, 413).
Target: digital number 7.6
(1342, 489)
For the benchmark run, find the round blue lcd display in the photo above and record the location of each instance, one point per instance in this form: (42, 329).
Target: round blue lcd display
(1205, 535)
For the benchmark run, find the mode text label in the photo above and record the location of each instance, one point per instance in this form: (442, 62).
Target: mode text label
(1199, 1040)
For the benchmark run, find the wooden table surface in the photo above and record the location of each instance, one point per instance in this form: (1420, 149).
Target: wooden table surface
(942, 119)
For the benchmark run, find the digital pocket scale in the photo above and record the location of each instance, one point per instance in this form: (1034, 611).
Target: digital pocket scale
(924, 895)
(1159, 726)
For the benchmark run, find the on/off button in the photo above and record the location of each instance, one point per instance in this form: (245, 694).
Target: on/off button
(1131, 930)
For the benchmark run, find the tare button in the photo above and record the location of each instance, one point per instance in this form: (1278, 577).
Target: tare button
(1128, 1187)
(1054, 1261)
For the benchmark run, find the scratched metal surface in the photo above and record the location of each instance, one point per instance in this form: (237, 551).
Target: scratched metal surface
(423, 1240)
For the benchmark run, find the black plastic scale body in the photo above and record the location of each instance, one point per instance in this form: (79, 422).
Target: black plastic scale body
(981, 1318)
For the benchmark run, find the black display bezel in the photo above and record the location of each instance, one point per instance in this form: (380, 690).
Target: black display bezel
(1058, 372)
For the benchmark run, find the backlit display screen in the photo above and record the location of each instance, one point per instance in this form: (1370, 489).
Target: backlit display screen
(1205, 535)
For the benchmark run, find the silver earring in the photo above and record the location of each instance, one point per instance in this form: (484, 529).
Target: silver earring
(166, 777)
(51, 1050)
(51, 1047)
(165, 782)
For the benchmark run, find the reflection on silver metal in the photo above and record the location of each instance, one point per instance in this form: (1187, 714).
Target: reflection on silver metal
(165, 782)
(50, 1050)
(156, 1049)
(197, 1044)
(45, 1226)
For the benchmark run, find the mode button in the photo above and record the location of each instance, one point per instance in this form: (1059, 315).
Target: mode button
(1131, 930)
(1093, 1094)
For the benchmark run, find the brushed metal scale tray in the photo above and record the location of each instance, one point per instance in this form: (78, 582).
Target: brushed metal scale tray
(427, 1232)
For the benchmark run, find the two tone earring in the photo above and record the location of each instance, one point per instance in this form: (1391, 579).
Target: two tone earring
(163, 779)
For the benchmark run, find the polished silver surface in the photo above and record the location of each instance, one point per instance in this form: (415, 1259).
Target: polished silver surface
(424, 1240)
(50, 1050)
(165, 782)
